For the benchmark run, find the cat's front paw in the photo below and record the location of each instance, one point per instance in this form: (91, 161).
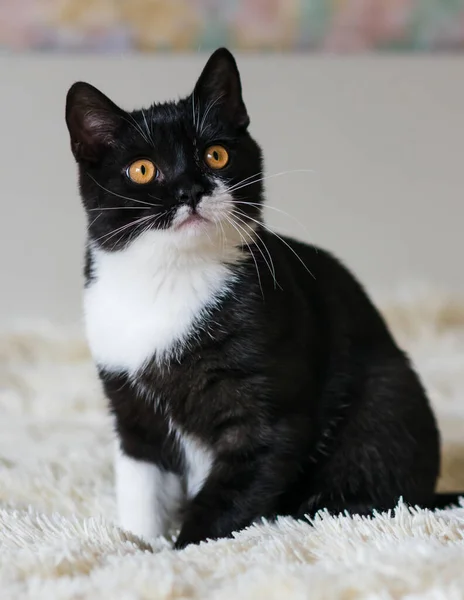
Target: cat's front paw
(187, 539)
(194, 533)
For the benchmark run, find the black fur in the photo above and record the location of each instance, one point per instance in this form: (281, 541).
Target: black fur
(305, 397)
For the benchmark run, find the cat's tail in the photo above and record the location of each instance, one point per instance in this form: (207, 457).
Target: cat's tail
(446, 500)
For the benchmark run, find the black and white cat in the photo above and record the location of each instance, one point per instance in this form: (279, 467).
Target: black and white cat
(249, 374)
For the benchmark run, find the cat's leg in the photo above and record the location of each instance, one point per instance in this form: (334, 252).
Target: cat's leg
(147, 463)
(222, 506)
(148, 497)
(240, 488)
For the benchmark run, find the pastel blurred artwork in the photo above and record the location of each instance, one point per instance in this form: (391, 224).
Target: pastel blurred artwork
(335, 26)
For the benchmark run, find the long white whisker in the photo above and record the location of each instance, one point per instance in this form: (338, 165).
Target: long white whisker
(257, 246)
(110, 234)
(239, 187)
(136, 126)
(270, 265)
(232, 187)
(209, 237)
(119, 195)
(131, 234)
(121, 208)
(159, 217)
(155, 198)
(223, 235)
(147, 128)
(266, 206)
(283, 242)
(234, 225)
(93, 221)
(148, 224)
(139, 128)
(205, 114)
(193, 110)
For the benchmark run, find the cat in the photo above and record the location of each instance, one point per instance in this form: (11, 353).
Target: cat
(249, 374)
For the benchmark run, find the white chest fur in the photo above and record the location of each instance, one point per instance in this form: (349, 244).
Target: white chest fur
(145, 299)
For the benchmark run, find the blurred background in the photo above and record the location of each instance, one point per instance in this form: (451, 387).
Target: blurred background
(368, 94)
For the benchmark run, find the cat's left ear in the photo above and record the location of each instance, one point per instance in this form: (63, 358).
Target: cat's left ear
(93, 121)
(219, 83)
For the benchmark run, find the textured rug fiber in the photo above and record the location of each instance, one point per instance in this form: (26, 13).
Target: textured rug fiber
(58, 538)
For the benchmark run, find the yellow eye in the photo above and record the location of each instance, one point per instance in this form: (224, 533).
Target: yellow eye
(141, 171)
(216, 157)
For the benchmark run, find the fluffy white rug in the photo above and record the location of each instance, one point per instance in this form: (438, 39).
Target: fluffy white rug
(57, 535)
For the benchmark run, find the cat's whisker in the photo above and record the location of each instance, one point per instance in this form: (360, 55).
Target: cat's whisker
(234, 225)
(270, 265)
(148, 224)
(220, 227)
(114, 232)
(122, 235)
(238, 215)
(110, 234)
(119, 195)
(147, 128)
(232, 187)
(283, 242)
(223, 234)
(266, 206)
(193, 110)
(159, 217)
(155, 198)
(208, 108)
(93, 221)
(209, 237)
(137, 128)
(121, 208)
(140, 222)
(235, 188)
(253, 235)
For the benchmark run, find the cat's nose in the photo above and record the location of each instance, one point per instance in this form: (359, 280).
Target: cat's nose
(190, 194)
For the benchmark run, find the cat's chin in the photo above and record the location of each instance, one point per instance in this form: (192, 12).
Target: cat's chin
(192, 224)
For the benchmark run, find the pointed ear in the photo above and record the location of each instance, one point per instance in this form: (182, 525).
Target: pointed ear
(93, 121)
(220, 83)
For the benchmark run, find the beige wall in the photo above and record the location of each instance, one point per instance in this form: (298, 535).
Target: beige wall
(384, 136)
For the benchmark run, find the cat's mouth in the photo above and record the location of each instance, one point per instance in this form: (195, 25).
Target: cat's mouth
(188, 218)
(191, 221)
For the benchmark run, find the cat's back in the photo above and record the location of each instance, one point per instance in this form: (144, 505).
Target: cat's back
(332, 291)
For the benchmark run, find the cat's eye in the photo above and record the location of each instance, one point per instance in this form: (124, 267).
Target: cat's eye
(216, 157)
(141, 171)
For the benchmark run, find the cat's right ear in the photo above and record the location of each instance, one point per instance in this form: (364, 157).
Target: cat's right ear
(93, 121)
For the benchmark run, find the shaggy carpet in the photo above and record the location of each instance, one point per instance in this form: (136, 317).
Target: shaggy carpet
(57, 533)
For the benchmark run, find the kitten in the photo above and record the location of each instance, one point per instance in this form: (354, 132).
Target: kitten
(249, 374)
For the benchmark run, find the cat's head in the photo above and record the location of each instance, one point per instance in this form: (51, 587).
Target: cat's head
(186, 169)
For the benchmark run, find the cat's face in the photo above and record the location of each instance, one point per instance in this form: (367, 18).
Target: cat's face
(187, 169)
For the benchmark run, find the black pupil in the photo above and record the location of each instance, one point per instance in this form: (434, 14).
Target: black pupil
(143, 169)
(216, 155)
